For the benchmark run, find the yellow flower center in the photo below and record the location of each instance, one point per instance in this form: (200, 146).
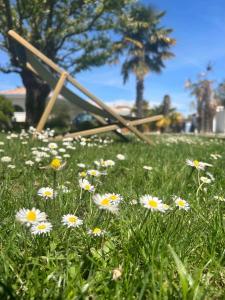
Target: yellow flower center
(96, 230)
(87, 187)
(48, 193)
(93, 173)
(196, 163)
(181, 203)
(105, 202)
(55, 163)
(113, 197)
(83, 174)
(31, 216)
(153, 203)
(41, 227)
(72, 219)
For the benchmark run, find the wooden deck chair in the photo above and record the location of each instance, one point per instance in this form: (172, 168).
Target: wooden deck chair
(101, 109)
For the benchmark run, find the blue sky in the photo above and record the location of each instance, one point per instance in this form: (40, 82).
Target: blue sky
(199, 28)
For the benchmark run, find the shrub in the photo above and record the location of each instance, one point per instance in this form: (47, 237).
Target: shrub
(6, 113)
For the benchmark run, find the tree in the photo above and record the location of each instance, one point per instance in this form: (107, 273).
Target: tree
(202, 89)
(220, 93)
(166, 105)
(73, 33)
(6, 113)
(145, 45)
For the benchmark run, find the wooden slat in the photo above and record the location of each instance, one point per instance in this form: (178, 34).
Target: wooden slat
(78, 85)
(51, 102)
(109, 128)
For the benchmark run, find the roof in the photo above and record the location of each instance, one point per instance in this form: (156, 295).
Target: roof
(20, 91)
(16, 91)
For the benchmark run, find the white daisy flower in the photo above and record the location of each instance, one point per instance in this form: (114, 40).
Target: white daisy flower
(52, 146)
(152, 203)
(30, 216)
(85, 185)
(114, 198)
(199, 165)
(11, 166)
(104, 202)
(220, 198)
(29, 163)
(64, 189)
(109, 163)
(181, 203)
(94, 173)
(147, 168)
(71, 221)
(83, 174)
(46, 192)
(6, 159)
(120, 156)
(41, 228)
(166, 207)
(96, 231)
(205, 179)
(81, 165)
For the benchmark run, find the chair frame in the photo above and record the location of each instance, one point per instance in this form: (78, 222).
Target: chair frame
(65, 76)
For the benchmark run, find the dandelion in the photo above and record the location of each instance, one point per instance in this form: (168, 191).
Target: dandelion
(56, 164)
(85, 185)
(96, 232)
(6, 159)
(104, 202)
(30, 216)
(46, 192)
(181, 203)
(41, 228)
(71, 221)
(152, 203)
(120, 156)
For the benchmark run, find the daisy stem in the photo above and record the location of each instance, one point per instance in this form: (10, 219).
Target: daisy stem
(145, 219)
(201, 184)
(81, 193)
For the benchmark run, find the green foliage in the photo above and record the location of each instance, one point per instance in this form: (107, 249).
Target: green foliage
(60, 118)
(220, 93)
(173, 255)
(145, 43)
(6, 112)
(72, 33)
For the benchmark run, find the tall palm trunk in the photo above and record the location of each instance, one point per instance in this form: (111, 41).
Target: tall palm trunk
(139, 96)
(37, 92)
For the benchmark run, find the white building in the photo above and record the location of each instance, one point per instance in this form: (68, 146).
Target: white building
(17, 97)
(219, 120)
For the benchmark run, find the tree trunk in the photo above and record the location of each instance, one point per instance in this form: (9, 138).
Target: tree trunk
(139, 96)
(37, 92)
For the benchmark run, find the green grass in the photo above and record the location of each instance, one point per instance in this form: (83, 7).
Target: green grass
(174, 255)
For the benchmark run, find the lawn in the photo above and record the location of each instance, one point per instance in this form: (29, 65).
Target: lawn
(131, 247)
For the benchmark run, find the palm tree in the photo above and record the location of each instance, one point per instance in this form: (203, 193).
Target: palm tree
(145, 45)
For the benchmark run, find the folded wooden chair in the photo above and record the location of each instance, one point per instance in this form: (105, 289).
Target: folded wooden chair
(34, 60)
